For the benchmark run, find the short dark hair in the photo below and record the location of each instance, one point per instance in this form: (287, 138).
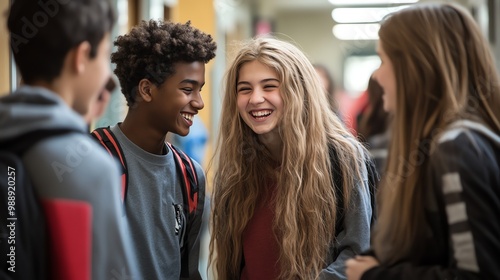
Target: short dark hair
(150, 50)
(43, 32)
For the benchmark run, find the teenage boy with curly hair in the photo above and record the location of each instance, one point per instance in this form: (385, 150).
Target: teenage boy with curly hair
(62, 51)
(161, 68)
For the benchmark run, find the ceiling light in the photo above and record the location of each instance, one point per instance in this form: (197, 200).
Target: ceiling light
(370, 2)
(356, 31)
(353, 15)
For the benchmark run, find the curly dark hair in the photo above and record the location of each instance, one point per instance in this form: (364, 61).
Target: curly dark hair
(150, 50)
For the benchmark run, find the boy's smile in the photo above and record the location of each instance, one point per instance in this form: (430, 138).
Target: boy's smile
(175, 102)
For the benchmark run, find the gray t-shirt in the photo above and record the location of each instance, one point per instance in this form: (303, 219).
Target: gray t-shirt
(154, 203)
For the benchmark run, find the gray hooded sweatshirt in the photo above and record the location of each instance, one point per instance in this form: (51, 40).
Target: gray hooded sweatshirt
(78, 184)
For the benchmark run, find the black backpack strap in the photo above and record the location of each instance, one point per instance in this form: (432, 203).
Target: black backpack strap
(189, 180)
(338, 182)
(107, 139)
(373, 181)
(190, 190)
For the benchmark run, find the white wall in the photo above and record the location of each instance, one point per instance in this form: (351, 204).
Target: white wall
(312, 31)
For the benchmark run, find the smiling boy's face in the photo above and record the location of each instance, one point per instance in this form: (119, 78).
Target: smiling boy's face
(176, 101)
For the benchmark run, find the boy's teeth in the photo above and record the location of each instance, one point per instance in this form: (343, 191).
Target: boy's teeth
(187, 117)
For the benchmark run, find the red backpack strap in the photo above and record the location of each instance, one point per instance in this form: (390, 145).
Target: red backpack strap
(189, 180)
(107, 139)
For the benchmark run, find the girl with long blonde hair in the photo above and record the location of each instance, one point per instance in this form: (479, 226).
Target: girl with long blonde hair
(284, 162)
(440, 198)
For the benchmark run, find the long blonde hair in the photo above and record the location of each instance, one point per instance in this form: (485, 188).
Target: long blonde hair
(444, 72)
(305, 200)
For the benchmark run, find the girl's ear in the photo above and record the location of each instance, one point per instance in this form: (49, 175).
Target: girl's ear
(144, 90)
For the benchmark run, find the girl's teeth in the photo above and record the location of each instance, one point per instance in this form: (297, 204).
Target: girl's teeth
(261, 113)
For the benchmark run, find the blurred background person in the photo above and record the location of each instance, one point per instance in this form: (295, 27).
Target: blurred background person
(329, 86)
(99, 105)
(372, 125)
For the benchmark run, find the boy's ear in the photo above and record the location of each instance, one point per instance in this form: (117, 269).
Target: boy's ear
(144, 90)
(81, 56)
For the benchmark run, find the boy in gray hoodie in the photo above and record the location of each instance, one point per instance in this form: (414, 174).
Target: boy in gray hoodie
(62, 50)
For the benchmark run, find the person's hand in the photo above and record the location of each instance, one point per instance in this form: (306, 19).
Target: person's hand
(357, 266)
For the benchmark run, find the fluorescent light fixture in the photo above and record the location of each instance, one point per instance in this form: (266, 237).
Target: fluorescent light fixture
(370, 2)
(357, 72)
(368, 31)
(359, 15)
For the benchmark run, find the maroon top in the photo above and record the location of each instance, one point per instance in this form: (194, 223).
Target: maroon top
(260, 247)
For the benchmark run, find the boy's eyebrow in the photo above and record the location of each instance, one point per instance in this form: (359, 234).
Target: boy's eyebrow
(189, 81)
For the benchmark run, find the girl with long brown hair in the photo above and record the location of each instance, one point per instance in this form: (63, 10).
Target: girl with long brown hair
(440, 198)
(285, 165)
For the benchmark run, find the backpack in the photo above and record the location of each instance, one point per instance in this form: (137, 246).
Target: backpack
(23, 236)
(184, 166)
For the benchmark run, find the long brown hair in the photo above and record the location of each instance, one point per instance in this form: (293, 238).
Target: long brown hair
(305, 200)
(444, 72)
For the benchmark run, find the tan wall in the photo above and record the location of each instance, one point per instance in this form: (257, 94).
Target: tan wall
(4, 50)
